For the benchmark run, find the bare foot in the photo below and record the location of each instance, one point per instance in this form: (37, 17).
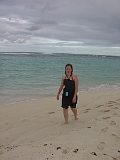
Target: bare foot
(65, 123)
(76, 118)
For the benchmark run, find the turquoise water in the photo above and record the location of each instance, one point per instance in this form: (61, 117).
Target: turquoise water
(26, 76)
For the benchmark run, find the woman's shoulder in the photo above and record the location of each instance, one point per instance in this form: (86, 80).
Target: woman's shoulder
(74, 76)
(63, 77)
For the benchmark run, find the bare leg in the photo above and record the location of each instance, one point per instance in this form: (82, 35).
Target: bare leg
(65, 113)
(74, 110)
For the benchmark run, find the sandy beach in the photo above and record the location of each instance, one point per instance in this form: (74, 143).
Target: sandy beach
(33, 130)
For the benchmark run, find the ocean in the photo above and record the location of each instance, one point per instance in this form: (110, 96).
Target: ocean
(29, 75)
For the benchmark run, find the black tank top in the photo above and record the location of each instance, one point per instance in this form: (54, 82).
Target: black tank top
(69, 86)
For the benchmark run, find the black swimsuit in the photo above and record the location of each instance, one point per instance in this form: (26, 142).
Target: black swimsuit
(68, 93)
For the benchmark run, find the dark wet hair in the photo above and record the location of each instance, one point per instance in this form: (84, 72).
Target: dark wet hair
(70, 66)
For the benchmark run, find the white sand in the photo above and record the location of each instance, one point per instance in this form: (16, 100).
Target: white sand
(33, 130)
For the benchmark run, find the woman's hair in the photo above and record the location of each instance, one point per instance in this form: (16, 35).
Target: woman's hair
(70, 66)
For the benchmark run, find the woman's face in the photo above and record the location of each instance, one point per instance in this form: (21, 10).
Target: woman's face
(68, 70)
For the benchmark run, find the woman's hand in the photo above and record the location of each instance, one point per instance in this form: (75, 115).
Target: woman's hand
(74, 99)
(58, 97)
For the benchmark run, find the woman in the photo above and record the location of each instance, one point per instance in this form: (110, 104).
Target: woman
(69, 96)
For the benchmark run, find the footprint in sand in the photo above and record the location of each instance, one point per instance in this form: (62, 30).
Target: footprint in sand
(65, 151)
(106, 110)
(111, 102)
(104, 129)
(113, 123)
(106, 117)
(85, 111)
(51, 112)
(110, 105)
(99, 106)
(101, 146)
(116, 137)
(114, 108)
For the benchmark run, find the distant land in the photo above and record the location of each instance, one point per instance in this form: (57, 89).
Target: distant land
(55, 54)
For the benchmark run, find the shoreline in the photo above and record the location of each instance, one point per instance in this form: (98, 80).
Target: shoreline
(33, 129)
(53, 96)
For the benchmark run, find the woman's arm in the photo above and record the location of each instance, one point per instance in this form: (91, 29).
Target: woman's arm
(76, 88)
(61, 87)
(76, 85)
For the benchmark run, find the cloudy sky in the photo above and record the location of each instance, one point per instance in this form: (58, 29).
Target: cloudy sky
(34, 25)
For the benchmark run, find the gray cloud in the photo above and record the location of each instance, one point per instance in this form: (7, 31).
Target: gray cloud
(85, 22)
(34, 28)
